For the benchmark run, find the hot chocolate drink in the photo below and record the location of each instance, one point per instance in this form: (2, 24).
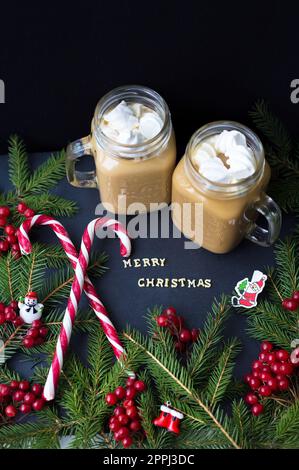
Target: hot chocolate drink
(225, 172)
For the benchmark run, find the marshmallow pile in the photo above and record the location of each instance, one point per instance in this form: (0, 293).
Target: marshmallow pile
(131, 124)
(225, 158)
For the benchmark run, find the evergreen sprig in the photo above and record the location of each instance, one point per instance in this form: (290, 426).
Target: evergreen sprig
(32, 187)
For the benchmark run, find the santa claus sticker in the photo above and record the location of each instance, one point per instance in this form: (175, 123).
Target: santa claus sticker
(30, 310)
(248, 290)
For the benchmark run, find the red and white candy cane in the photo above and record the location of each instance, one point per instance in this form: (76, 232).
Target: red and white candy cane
(81, 281)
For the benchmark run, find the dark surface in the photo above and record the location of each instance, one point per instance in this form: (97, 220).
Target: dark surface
(128, 303)
(210, 60)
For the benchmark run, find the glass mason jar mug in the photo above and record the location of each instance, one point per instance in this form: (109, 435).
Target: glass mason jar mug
(130, 176)
(228, 210)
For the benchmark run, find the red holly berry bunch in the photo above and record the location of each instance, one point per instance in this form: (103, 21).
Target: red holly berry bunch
(9, 238)
(20, 396)
(8, 314)
(269, 374)
(125, 422)
(175, 324)
(291, 303)
(36, 334)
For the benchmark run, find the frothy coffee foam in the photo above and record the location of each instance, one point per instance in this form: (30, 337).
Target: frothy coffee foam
(131, 124)
(225, 158)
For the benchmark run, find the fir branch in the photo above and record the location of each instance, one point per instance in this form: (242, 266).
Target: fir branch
(178, 379)
(19, 170)
(47, 175)
(48, 203)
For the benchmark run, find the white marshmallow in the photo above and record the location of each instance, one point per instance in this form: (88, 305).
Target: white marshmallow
(150, 125)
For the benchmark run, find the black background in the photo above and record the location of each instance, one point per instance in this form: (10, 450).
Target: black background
(210, 60)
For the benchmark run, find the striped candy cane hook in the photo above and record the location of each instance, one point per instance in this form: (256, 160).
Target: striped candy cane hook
(80, 281)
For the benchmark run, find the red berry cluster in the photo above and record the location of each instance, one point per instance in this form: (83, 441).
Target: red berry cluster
(21, 396)
(175, 324)
(125, 421)
(8, 314)
(36, 335)
(291, 303)
(9, 239)
(269, 374)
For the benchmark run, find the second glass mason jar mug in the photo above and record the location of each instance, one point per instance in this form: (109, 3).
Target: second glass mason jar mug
(229, 211)
(129, 177)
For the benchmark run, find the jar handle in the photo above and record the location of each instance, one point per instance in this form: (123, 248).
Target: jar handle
(272, 213)
(75, 151)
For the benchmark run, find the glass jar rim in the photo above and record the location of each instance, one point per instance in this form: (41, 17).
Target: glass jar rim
(227, 189)
(140, 93)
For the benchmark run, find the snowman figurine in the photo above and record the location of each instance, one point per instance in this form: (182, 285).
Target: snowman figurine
(30, 310)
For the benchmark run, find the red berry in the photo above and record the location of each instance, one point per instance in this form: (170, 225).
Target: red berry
(14, 304)
(111, 399)
(257, 409)
(2, 318)
(251, 399)
(18, 395)
(256, 365)
(10, 411)
(254, 383)
(37, 389)
(24, 385)
(18, 322)
(29, 213)
(127, 442)
(266, 369)
(290, 304)
(5, 390)
(275, 367)
(132, 412)
(10, 230)
(130, 392)
(135, 425)
(43, 331)
(139, 386)
(14, 384)
(114, 426)
(123, 420)
(39, 340)
(273, 383)
(286, 368)
(25, 408)
(2, 307)
(265, 391)
(180, 347)
(283, 384)
(12, 239)
(10, 316)
(282, 355)
(119, 410)
(247, 378)
(256, 373)
(271, 358)
(37, 323)
(4, 211)
(185, 335)
(122, 433)
(4, 245)
(127, 403)
(33, 333)
(169, 311)
(28, 342)
(265, 376)
(162, 321)
(173, 321)
(130, 381)
(263, 357)
(194, 334)
(295, 296)
(21, 207)
(16, 254)
(266, 346)
(3, 221)
(39, 404)
(116, 436)
(29, 398)
(120, 392)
